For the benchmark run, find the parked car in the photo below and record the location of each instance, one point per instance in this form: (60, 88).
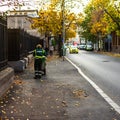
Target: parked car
(73, 49)
(89, 47)
(82, 46)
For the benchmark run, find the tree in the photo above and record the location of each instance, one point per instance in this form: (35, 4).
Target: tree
(85, 24)
(51, 21)
(101, 18)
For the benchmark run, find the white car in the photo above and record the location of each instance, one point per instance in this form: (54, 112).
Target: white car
(82, 46)
(89, 47)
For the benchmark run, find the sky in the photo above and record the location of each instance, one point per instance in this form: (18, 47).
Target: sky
(12, 4)
(34, 4)
(79, 6)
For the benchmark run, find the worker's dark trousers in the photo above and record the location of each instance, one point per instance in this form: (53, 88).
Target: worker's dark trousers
(38, 66)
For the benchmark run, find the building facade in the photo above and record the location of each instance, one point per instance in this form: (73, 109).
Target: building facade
(115, 43)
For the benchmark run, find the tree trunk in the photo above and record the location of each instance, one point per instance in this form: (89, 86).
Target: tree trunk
(60, 45)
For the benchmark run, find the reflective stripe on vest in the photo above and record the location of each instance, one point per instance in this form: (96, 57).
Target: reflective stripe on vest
(37, 57)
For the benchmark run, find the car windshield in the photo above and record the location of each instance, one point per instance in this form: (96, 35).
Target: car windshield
(89, 45)
(73, 46)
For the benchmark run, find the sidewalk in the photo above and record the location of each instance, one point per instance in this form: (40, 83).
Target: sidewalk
(63, 94)
(109, 53)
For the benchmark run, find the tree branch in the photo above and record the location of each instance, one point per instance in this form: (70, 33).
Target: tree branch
(114, 19)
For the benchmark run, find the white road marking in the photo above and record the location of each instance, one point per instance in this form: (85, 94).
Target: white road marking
(97, 88)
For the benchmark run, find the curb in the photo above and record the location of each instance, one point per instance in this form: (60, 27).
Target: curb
(6, 80)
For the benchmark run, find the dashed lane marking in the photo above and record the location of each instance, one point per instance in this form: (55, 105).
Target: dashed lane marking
(97, 88)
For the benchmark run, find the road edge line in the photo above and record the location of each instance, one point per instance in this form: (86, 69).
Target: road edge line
(97, 88)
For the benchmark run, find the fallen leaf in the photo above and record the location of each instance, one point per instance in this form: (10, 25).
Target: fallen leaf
(13, 98)
(80, 93)
(11, 112)
(57, 99)
(3, 112)
(28, 103)
(18, 97)
(77, 104)
(12, 118)
(65, 113)
(31, 106)
(12, 106)
(23, 101)
(58, 106)
(44, 113)
(64, 103)
(52, 107)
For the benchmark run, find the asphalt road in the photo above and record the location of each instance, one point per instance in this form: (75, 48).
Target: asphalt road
(102, 69)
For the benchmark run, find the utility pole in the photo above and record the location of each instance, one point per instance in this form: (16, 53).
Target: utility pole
(63, 27)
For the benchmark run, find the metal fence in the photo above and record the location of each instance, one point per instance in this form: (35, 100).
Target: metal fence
(20, 43)
(3, 43)
(15, 43)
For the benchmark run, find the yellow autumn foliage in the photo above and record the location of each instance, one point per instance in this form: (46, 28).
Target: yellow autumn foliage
(51, 21)
(104, 16)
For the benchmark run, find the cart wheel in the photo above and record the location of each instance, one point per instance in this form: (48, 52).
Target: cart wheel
(44, 71)
(37, 76)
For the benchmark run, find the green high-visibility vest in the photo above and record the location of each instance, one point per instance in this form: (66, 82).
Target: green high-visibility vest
(39, 53)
